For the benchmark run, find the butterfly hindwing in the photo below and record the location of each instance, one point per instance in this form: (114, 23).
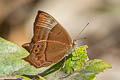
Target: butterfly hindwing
(46, 52)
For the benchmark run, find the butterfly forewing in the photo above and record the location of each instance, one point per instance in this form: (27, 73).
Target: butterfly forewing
(42, 26)
(58, 33)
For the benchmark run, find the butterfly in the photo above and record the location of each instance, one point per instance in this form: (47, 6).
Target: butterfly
(50, 41)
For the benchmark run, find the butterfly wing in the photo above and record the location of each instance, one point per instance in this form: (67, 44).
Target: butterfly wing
(42, 26)
(46, 52)
(47, 28)
(52, 39)
(58, 33)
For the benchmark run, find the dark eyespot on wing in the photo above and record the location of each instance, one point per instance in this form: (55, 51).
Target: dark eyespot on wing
(38, 46)
(36, 50)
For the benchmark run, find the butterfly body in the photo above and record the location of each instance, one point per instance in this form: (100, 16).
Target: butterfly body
(50, 41)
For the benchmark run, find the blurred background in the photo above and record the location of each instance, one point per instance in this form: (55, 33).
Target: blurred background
(102, 35)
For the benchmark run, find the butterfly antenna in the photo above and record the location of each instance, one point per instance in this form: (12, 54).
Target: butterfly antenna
(83, 29)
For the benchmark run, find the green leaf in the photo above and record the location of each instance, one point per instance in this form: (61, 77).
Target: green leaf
(96, 66)
(76, 60)
(83, 68)
(11, 61)
(87, 76)
(92, 68)
(11, 57)
(67, 67)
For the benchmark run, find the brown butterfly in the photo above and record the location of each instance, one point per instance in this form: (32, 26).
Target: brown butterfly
(50, 41)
